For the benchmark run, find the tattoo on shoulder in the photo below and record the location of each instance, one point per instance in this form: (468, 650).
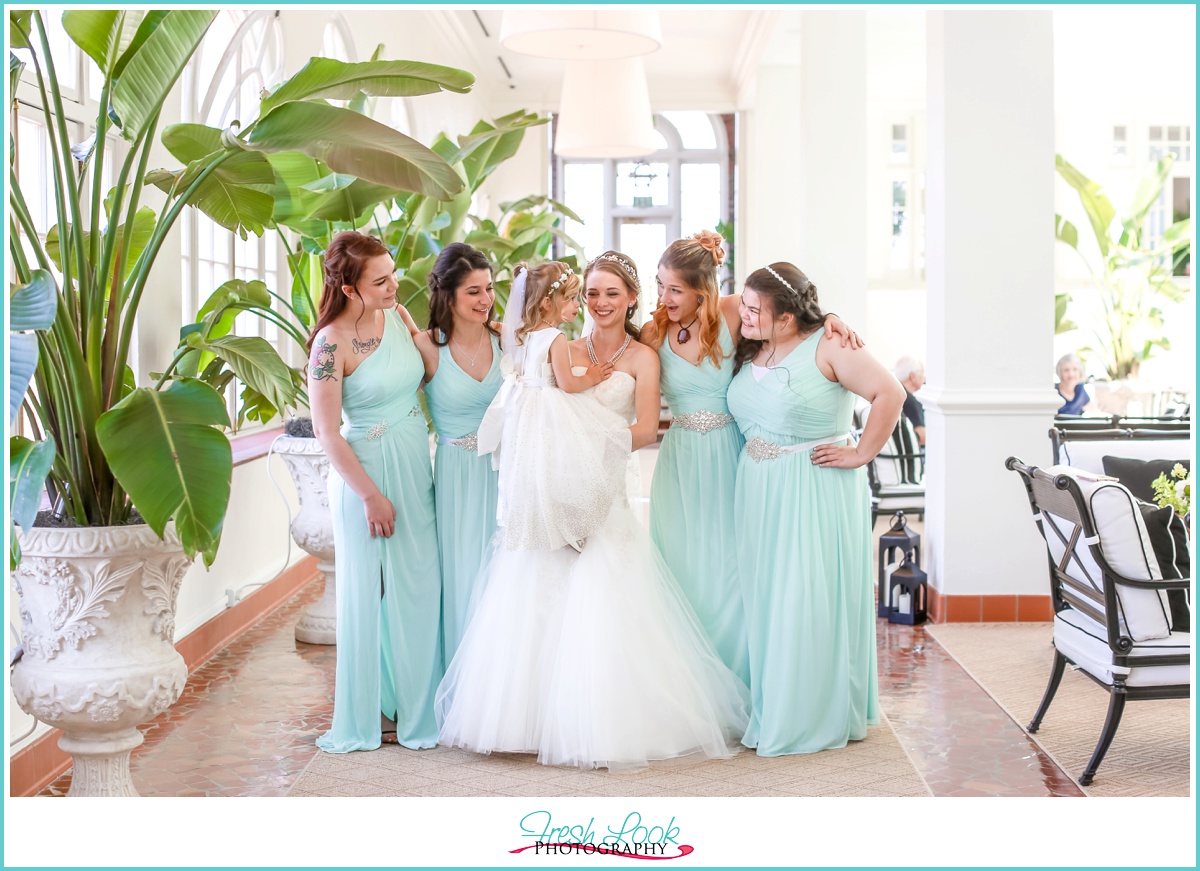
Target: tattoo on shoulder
(321, 366)
(364, 347)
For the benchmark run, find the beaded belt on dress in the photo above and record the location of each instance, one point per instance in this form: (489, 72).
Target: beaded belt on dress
(377, 431)
(761, 449)
(702, 421)
(469, 442)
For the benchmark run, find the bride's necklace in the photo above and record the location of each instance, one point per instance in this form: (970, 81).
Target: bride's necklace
(596, 360)
(684, 335)
(478, 347)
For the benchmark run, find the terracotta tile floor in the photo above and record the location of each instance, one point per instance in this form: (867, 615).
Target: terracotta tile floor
(248, 720)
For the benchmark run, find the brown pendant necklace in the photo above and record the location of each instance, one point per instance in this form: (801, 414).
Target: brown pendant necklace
(683, 336)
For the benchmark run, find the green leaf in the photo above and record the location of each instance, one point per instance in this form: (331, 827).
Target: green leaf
(232, 203)
(28, 465)
(301, 301)
(347, 142)
(1149, 187)
(152, 67)
(15, 69)
(22, 363)
(1065, 231)
(97, 32)
(33, 306)
(19, 28)
(327, 78)
(489, 145)
(340, 197)
(250, 293)
(1097, 207)
(259, 366)
(167, 452)
(528, 203)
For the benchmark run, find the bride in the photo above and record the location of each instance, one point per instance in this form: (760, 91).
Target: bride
(580, 646)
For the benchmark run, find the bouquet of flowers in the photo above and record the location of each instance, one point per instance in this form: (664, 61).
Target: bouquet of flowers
(1174, 490)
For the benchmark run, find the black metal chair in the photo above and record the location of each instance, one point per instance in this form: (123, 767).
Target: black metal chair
(897, 474)
(1111, 617)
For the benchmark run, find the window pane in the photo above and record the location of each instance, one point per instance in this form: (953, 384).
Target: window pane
(899, 133)
(642, 184)
(644, 244)
(695, 129)
(66, 55)
(1119, 134)
(1173, 134)
(1156, 132)
(901, 244)
(700, 206)
(583, 193)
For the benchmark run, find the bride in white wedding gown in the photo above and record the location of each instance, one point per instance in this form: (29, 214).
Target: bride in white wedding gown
(590, 657)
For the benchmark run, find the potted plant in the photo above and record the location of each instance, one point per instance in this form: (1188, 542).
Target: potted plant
(1133, 278)
(139, 475)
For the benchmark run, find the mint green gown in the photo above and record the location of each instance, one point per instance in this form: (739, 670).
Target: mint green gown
(691, 500)
(389, 648)
(804, 546)
(464, 484)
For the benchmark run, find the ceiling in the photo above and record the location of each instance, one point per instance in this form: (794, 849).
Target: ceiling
(700, 65)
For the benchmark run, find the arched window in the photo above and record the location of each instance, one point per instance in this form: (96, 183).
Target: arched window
(241, 55)
(639, 206)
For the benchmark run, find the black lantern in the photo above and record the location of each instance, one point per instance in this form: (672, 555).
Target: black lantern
(893, 545)
(907, 592)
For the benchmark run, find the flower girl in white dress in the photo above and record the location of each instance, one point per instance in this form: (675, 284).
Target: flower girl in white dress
(579, 646)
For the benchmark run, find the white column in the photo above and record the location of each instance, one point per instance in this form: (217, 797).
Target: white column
(990, 274)
(832, 150)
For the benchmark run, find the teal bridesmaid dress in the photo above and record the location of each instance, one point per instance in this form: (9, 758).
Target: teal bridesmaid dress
(691, 497)
(804, 547)
(464, 484)
(389, 648)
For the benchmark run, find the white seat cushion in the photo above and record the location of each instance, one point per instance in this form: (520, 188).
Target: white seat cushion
(1125, 543)
(1085, 642)
(1089, 455)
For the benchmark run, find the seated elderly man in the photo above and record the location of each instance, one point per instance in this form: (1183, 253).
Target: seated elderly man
(911, 373)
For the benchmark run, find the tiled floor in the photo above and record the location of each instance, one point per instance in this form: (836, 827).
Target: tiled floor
(248, 720)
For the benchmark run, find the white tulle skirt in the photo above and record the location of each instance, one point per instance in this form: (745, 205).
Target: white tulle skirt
(591, 660)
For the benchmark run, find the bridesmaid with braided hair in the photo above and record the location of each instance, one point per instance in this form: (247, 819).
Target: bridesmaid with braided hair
(694, 331)
(802, 521)
(461, 352)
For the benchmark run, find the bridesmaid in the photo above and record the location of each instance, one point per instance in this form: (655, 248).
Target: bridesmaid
(365, 369)
(802, 518)
(461, 351)
(691, 497)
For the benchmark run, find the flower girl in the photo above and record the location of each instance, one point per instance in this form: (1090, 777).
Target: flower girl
(579, 645)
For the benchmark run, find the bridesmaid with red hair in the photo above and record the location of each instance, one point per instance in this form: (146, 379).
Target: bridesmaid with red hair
(695, 331)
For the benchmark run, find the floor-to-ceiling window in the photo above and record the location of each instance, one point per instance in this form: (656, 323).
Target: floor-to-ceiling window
(639, 206)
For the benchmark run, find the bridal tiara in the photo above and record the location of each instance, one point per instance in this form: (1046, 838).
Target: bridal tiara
(613, 258)
(562, 278)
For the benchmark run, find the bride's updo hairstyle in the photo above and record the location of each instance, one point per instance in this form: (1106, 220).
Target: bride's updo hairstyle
(618, 264)
(553, 281)
(782, 290)
(696, 260)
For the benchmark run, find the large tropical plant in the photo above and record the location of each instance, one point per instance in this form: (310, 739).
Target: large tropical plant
(1134, 276)
(161, 448)
(416, 227)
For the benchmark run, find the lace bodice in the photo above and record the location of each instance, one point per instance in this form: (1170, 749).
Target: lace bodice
(617, 394)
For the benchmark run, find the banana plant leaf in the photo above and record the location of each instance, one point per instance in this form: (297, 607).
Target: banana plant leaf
(347, 142)
(169, 453)
(1099, 210)
(259, 366)
(31, 307)
(326, 78)
(151, 67)
(131, 242)
(29, 463)
(340, 197)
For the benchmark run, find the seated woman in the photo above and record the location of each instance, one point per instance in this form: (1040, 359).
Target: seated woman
(1070, 386)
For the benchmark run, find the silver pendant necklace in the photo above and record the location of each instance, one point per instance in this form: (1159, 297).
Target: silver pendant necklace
(478, 347)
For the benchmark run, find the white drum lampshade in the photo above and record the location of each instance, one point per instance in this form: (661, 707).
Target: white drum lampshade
(581, 34)
(605, 110)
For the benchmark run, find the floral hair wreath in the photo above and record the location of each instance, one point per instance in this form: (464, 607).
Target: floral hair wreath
(562, 278)
(625, 264)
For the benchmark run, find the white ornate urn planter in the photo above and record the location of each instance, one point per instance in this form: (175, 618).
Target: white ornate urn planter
(98, 615)
(313, 531)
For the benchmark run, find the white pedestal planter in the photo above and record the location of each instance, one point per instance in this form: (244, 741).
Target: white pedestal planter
(313, 531)
(98, 616)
